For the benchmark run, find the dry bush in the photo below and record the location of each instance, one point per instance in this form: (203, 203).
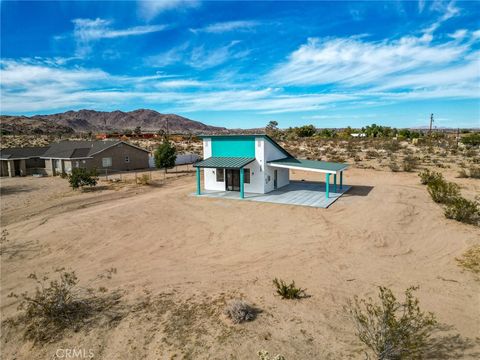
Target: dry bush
(394, 166)
(264, 355)
(470, 260)
(392, 329)
(143, 180)
(289, 291)
(61, 305)
(371, 154)
(462, 173)
(409, 163)
(442, 191)
(474, 172)
(239, 311)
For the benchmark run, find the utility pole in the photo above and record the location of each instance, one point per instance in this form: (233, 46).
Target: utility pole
(431, 123)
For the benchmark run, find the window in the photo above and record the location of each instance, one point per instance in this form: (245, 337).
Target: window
(220, 175)
(106, 162)
(246, 176)
(127, 159)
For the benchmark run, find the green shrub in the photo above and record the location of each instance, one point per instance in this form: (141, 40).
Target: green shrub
(392, 329)
(82, 177)
(409, 163)
(428, 176)
(288, 291)
(463, 210)
(470, 260)
(471, 139)
(442, 191)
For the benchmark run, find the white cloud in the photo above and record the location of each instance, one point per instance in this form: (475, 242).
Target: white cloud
(149, 9)
(199, 57)
(227, 26)
(86, 31)
(352, 63)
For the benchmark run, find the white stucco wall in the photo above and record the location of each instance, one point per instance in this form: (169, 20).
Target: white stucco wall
(272, 153)
(211, 183)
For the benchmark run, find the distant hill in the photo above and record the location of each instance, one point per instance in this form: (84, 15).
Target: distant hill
(98, 121)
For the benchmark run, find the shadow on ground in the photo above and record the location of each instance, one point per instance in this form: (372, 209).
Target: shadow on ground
(10, 190)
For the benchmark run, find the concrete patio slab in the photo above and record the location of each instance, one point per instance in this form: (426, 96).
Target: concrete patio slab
(302, 193)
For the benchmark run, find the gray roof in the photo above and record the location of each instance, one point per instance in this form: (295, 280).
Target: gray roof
(77, 149)
(224, 162)
(22, 153)
(310, 164)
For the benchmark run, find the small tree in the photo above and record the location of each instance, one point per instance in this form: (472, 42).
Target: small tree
(165, 155)
(272, 128)
(82, 177)
(392, 329)
(138, 131)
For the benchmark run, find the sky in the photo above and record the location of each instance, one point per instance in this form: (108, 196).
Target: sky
(243, 64)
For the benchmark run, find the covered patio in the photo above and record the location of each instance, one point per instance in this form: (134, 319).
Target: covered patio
(303, 193)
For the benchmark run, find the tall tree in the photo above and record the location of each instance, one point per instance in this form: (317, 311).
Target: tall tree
(165, 155)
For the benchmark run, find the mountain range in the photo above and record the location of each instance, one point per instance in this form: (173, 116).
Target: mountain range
(100, 121)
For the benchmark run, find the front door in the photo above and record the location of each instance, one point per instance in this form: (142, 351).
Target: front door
(275, 179)
(233, 180)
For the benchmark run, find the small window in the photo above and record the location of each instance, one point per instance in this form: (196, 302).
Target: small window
(127, 159)
(220, 175)
(246, 176)
(107, 162)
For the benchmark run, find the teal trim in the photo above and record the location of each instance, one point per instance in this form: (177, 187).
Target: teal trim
(249, 136)
(233, 147)
(335, 183)
(327, 185)
(198, 182)
(341, 179)
(242, 194)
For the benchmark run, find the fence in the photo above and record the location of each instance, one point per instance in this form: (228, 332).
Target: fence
(150, 174)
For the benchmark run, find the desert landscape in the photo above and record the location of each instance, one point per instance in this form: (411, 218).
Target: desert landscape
(170, 261)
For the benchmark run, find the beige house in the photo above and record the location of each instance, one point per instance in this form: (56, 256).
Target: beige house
(62, 157)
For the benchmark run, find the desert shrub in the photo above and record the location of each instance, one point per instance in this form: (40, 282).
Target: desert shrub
(442, 191)
(463, 210)
(371, 154)
(59, 305)
(289, 291)
(474, 172)
(392, 329)
(394, 166)
(264, 355)
(239, 311)
(82, 177)
(428, 176)
(470, 260)
(471, 139)
(462, 173)
(409, 163)
(143, 180)
(392, 146)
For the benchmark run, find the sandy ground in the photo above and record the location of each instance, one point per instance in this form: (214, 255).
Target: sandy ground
(179, 258)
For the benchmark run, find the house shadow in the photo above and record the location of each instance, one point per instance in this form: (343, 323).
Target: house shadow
(358, 190)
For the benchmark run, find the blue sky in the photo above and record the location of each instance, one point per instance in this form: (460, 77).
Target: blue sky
(242, 64)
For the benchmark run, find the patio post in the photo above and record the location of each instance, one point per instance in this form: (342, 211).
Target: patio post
(341, 179)
(335, 182)
(242, 195)
(198, 181)
(327, 185)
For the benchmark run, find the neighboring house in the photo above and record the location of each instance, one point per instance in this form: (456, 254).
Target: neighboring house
(22, 161)
(254, 164)
(358, 135)
(62, 157)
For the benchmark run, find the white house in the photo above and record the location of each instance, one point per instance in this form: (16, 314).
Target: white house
(253, 164)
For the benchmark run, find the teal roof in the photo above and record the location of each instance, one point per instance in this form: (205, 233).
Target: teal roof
(311, 164)
(224, 162)
(240, 136)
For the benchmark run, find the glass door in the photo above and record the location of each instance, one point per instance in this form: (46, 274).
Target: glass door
(233, 180)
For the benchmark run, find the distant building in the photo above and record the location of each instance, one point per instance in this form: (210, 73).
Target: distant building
(358, 135)
(62, 157)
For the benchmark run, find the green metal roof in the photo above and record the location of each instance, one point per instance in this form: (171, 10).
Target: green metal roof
(224, 162)
(310, 164)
